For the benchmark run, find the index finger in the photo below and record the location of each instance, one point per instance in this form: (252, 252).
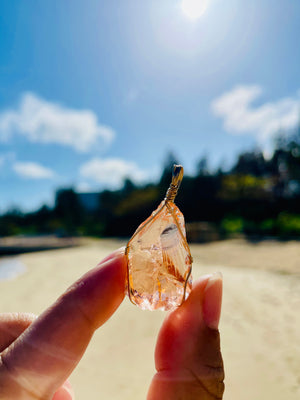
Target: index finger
(41, 359)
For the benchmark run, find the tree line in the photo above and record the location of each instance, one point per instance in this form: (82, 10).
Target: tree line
(257, 196)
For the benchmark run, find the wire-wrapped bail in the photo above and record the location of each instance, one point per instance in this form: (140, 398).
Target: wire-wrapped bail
(177, 176)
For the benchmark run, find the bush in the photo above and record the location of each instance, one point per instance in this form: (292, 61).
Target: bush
(232, 225)
(288, 224)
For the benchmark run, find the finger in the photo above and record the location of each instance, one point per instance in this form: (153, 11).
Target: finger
(45, 355)
(116, 253)
(188, 357)
(12, 325)
(185, 327)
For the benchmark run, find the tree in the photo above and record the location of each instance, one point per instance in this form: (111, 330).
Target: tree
(251, 163)
(202, 167)
(68, 209)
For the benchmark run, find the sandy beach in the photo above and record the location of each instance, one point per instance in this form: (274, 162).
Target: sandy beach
(260, 324)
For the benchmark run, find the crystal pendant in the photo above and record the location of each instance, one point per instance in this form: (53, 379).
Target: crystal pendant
(158, 256)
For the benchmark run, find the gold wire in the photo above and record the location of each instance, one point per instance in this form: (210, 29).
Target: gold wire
(176, 181)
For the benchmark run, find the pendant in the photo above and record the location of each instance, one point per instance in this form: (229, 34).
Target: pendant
(158, 256)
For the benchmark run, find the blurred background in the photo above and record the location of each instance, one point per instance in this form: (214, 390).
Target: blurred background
(98, 99)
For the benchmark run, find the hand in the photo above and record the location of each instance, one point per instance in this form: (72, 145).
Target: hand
(38, 355)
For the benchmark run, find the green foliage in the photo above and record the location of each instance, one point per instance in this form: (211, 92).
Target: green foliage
(237, 186)
(288, 224)
(267, 226)
(285, 225)
(231, 225)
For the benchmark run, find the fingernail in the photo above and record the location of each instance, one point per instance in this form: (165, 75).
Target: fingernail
(69, 392)
(65, 392)
(213, 300)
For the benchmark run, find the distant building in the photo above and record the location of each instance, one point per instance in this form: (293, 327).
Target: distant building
(90, 201)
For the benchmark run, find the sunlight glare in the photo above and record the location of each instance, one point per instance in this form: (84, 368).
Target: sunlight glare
(194, 9)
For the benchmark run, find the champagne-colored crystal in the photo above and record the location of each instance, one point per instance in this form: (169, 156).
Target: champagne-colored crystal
(159, 261)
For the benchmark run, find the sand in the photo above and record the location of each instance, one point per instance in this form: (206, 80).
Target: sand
(260, 325)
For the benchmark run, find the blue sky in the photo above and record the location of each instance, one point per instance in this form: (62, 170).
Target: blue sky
(92, 91)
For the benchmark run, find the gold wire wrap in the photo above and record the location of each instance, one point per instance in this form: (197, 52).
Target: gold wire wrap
(176, 181)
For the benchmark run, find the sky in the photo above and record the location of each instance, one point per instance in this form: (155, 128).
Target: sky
(94, 91)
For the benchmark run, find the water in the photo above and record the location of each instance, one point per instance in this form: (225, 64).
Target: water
(10, 268)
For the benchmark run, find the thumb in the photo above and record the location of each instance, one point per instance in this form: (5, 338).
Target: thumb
(188, 357)
(65, 392)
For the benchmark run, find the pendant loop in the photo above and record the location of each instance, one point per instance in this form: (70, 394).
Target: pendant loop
(177, 176)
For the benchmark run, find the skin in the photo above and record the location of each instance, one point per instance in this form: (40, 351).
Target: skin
(38, 354)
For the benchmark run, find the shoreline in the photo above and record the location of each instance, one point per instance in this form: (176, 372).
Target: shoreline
(14, 245)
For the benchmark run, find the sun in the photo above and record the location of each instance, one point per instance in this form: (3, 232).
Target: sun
(194, 9)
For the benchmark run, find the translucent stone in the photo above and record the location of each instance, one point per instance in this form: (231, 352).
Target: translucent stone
(159, 261)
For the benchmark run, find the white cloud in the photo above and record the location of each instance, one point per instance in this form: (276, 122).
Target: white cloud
(83, 187)
(32, 170)
(111, 172)
(42, 121)
(240, 117)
